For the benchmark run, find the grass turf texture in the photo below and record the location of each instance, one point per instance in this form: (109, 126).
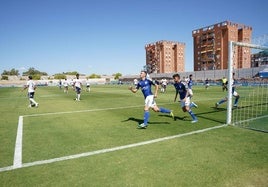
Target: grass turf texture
(228, 156)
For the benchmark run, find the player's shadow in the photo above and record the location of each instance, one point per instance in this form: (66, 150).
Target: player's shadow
(248, 106)
(133, 119)
(139, 121)
(175, 117)
(201, 114)
(217, 109)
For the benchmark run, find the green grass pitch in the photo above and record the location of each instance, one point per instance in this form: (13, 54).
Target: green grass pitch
(107, 118)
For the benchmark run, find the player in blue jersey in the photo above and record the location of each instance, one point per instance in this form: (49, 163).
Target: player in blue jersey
(185, 99)
(234, 93)
(145, 85)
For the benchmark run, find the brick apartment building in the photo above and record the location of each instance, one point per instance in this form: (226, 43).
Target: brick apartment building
(165, 57)
(211, 46)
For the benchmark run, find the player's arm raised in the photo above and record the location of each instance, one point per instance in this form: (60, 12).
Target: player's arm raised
(134, 90)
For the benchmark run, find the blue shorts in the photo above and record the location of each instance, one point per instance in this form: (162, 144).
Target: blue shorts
(78, 90)
(31, 95)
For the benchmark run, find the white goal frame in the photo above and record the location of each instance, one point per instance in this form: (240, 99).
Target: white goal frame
(231, 45)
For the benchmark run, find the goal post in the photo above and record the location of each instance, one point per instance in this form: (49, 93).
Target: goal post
(231, 47)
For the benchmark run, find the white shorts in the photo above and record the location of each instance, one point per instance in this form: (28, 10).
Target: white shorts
(235, 94)
(190, 91)
(149, 101)
(186, 103)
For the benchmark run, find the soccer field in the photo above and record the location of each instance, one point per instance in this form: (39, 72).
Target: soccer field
(95, 141)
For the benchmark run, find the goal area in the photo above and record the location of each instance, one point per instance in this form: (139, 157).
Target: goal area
(252, 110)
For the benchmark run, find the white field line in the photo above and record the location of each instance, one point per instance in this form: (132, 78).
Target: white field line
(18, 146)
(80, 111)
(17, 160)
(100, 109)
(50, 95)
(86, 154)
(17, 163)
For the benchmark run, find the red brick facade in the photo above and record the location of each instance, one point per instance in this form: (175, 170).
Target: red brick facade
(211, 46)
(165, 57)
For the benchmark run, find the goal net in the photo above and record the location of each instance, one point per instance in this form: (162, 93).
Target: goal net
(252, 110)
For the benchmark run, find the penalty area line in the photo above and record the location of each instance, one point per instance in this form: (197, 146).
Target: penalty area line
(91, 153)
(96, 110)
(17, 162)
(80, 111)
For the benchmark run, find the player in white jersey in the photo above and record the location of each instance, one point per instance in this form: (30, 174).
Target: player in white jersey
(88, 86)
(234, 93)
(31, 90)
(77, 84)
(190, 91)
(163, 85)
(66, 86)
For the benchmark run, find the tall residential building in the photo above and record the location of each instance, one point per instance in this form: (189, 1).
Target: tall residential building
(165, 57)
(211, 46)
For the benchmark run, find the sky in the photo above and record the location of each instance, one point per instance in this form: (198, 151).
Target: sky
(109, 36)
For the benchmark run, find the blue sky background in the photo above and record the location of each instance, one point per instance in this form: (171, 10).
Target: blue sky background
(108, 36)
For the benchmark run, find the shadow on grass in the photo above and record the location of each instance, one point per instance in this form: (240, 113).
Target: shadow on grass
(133, 119)
(175, 117)
(139, 121)
(216, 110)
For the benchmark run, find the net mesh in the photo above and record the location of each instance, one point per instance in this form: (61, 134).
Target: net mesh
(252, 111)
(253, 107)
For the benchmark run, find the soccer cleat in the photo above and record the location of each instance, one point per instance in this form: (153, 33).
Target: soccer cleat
(195, 105)
(216, 105)
(235, 105)
(142, 126)
(194, 121)
(171, 114)
(36, 105)
(29, 106)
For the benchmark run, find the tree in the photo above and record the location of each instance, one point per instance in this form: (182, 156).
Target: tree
(59, 76)
(11, 72)
(94, 76)
(32, 71)
(4, 77)
(70, 73)
(14, 72)
(117, 75)
(5, 72)
(36, 77)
